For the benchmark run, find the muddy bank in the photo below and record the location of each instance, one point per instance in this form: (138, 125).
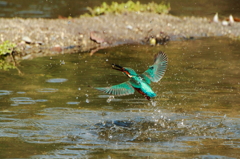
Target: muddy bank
(39, 37)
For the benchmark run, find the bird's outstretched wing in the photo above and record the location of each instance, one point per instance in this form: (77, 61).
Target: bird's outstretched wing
(155, 72)
(120, 89)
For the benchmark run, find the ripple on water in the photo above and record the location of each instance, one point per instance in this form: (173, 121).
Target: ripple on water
(56, 80)
(21, 92)
(104, 96)
(41, 100)
(22, 100)
(47, 90)
(73, 103)
(5, 92)
(111, 98)
(150, 131)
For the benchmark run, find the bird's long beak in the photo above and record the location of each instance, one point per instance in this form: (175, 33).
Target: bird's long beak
(117, 67)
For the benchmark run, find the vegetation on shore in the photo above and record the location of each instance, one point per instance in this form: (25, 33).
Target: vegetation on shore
(6, 48)
(129, 6)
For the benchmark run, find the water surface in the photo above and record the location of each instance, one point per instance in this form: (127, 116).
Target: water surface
(74, 8)
(50, 111)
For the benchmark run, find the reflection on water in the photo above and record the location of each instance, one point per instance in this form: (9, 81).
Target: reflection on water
(74, 8)
(47, 90)
(73, 103)
(5, 92)
(56, 80)
(195, 115)
(21, 100)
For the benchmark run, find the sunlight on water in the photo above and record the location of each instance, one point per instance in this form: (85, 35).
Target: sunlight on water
(5, 92)
(194, 115)
(22, 100)
(74, 103)
(47, 90)
(56, 80)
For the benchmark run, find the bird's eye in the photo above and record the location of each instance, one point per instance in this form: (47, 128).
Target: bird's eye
(151, 67)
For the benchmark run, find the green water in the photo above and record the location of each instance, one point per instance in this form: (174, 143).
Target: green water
(48, 110)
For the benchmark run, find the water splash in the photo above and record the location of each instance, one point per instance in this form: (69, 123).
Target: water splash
(110, 98)
(153, 103)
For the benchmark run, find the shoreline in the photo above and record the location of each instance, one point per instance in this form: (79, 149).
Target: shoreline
(41, 37)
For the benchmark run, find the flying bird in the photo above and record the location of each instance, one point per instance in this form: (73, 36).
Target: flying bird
(139, 82)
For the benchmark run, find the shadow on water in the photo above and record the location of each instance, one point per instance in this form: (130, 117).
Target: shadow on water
(50, 110)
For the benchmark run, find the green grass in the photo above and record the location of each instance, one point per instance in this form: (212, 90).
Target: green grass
(129, 6)
(4, 65)
(6, 48)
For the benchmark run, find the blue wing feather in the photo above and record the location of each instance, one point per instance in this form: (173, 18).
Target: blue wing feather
(120, 89)
(155, 72)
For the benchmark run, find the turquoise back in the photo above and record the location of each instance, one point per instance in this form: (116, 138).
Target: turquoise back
(138, 82)
(131, 71)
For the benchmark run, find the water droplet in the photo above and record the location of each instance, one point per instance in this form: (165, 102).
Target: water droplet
(62, 62)
(110, 98)
(79, 88)
(153, 103)
(87, 101)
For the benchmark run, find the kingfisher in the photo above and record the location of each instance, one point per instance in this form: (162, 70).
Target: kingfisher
(139, 82)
